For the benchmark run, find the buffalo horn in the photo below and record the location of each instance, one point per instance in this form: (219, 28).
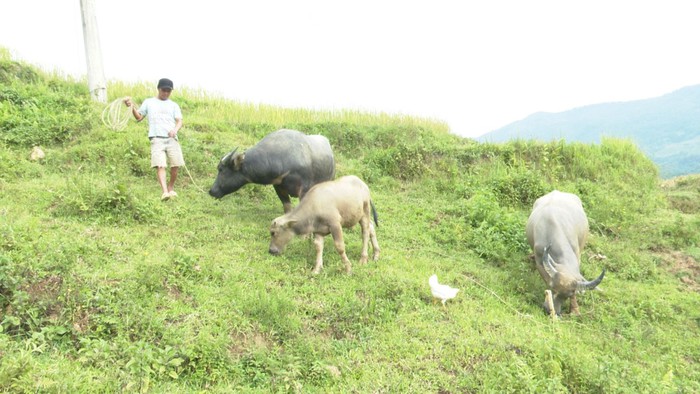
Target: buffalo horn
(590, 285)
(547, 263)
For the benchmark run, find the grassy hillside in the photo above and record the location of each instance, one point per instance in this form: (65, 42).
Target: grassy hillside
(104, 288)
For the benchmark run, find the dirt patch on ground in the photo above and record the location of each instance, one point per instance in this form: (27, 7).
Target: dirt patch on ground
(684, 267)
(46, 292)
(46, 288)
(244, 343)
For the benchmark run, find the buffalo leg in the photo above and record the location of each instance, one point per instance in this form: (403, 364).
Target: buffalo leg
(365, 225)
(375, 243)
(574, 306)
(318, 241)
(368, 232)
(283, 195)
(337, 233)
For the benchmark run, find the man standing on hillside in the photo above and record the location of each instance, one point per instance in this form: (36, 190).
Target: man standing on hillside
(164, 121)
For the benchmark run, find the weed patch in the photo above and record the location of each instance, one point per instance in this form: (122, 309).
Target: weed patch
(88, 199)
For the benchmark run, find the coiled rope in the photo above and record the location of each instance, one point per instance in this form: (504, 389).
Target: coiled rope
(116, 115)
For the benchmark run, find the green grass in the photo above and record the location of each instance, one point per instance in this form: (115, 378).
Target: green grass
(103, 288)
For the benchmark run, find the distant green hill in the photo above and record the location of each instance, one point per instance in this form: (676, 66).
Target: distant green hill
(666, 128)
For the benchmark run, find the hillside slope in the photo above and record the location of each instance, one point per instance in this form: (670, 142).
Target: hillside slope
(666, 128)
(104, 288)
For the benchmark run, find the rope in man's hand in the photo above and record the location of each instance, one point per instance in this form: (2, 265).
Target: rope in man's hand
(115, 116)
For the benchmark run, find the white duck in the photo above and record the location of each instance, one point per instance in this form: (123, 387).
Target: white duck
(441, 292)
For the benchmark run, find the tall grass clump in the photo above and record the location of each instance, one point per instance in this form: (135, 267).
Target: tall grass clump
(480, 223)
(92, 200)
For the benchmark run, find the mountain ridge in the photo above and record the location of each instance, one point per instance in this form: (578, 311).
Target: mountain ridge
(666, 128)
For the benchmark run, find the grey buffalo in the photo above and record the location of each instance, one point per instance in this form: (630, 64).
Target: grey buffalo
(326, 209)
(289, 160)
(556, 231)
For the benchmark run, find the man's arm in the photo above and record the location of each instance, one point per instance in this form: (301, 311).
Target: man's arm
(134, 110)
(178, 125)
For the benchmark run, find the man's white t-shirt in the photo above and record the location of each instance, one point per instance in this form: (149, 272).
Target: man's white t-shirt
(161, 116)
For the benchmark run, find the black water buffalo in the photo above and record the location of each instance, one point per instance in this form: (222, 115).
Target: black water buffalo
(289, 160)
(557, 230)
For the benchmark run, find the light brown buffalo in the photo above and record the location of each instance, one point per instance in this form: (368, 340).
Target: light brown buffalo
(556, 231)
(326, 209)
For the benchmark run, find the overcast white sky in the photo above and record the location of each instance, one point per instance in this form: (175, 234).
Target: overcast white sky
(478, 65)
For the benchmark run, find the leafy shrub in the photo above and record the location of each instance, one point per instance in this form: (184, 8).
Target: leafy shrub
(87, 199)
(494, 232)
(345, 138)
(401, 162)
(11, 71)
(9, 281)
(519, 187)
(38, 113)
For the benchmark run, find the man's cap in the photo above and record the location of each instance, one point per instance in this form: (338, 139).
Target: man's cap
(165, 83)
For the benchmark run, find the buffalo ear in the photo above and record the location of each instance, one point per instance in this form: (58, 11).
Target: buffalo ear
(225, 160)
(238, 161)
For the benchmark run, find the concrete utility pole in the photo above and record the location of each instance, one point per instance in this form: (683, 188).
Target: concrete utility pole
(93, 54)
